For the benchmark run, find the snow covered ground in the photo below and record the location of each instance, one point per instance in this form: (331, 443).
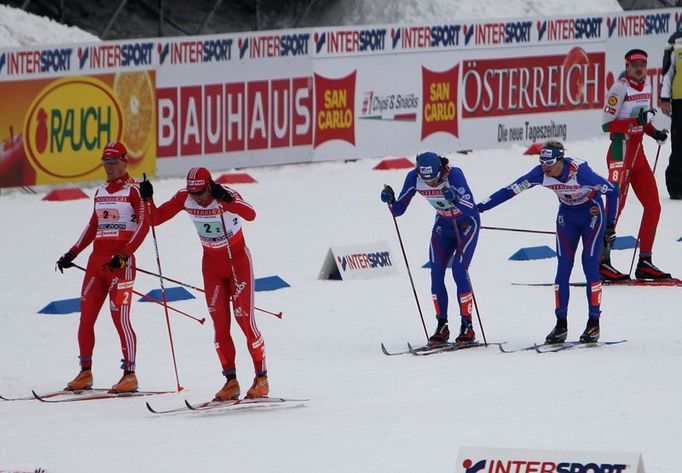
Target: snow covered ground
(367, 411)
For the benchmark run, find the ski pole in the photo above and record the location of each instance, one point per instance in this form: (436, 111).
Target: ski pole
(189, 286)
(407, 264)
(523, 230)
(163, 292)
(155, 300)
(466, 271)
(634, 251)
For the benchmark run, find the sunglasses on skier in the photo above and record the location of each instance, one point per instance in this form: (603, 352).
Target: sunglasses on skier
(549, 156)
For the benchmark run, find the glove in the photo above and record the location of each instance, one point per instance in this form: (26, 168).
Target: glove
(387, 195)
(117, 262)
(660, 136)
(146, 190)
(643, 116)
(609, 234)
(65, 261)
(450, 194)
(220, 193)
(479, 208)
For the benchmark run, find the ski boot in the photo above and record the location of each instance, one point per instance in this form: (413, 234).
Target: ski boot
(259, 388)
(647, 270)
(609, 273)
(127, 383)
(441, 335)
(558, 333)
(466, 333)
(81, 382)
(229, 392)
(591, 333)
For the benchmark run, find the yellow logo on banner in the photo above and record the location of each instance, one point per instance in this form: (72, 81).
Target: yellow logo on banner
(68, 124)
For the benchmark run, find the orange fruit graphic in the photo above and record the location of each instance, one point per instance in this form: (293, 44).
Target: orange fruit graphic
(136, 94)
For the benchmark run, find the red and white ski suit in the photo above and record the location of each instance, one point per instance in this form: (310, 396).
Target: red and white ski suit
(118, 227)
(227, 270)
(628, 166)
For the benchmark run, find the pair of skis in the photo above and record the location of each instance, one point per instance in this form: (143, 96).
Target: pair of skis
(670, 282)
(102, 393)
(558, 347)
(233, 405)
(82, 395)
(536, 347)
(433, 349)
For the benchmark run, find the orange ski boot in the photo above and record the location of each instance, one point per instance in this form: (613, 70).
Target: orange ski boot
(229, 392)
(127, 383)
(259, 388)
(81, 382)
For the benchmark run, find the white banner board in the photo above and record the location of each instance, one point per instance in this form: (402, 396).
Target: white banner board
(507, 460)
(362, 261)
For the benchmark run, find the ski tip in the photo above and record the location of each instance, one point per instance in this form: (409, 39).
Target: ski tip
(150, 408)
(384, 350)
(189, 406)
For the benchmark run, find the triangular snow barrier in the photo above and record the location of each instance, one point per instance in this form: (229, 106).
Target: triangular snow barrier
(535, 148)
(270, 283)
(624, 242)
(65, 194)
(533, 252)
(64, 306)
(172, 294)
(236, 178)
(394, 163)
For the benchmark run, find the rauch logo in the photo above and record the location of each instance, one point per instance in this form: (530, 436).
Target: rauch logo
(67, 125)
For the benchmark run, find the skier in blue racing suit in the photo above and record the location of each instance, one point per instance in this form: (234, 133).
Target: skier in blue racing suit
(581, 215)
(455, 232)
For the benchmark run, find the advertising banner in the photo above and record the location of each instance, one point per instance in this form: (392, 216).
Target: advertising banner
(390, 117)
(532, 94)
(58, 127)
(330, 93)
(499, 460)
(227, 101)
(361, 261)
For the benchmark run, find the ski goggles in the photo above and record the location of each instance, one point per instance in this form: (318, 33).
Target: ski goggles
(549, 156)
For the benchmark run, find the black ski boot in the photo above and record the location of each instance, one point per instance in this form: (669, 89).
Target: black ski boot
(466, 333)
(558, 333)
(441, 335)
(647, 270)
(591, 333)
(608, 273)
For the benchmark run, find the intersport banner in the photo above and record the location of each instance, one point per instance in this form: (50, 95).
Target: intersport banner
(277, 97)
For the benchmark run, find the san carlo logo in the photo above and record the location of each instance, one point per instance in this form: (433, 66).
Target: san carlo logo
(67, 125)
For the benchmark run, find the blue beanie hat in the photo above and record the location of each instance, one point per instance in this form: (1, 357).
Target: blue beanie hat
(428, 165)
